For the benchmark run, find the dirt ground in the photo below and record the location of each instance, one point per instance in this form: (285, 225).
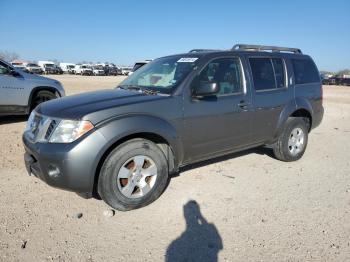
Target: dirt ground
(244, 207)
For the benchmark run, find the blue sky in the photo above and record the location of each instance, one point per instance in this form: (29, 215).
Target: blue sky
(130, 30)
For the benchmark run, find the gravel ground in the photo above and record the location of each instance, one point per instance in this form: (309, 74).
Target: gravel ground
(243, 207)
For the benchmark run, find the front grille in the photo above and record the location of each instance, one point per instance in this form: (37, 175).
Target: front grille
(50, 129)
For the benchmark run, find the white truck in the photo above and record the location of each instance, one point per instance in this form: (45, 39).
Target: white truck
(68, 68)
(48, 67)
(83, 70)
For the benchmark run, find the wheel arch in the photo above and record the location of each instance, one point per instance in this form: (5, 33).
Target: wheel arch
(163, 135)
(300, 108)
(37, 89)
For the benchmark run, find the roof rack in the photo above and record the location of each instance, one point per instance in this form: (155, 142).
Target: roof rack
(265, 48)
(203, 50)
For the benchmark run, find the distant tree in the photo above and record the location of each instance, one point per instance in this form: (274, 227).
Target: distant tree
(344, 72)
(327, 73)
(8, 56)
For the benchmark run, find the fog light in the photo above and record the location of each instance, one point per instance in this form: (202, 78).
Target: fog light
(54, 171)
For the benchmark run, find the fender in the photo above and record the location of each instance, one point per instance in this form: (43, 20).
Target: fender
(289, 109)
(132, 124)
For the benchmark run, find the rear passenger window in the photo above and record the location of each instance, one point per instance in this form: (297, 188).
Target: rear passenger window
(305, 71)
(268, 73)
(226, 72)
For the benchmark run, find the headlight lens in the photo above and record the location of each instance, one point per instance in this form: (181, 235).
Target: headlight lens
(68, 131)
(30, 121)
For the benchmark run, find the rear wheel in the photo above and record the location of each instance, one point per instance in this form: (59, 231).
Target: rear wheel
(40, 97)
(292, 142)
(133, 175)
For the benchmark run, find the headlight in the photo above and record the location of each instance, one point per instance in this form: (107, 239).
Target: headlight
(30, 121)
(69, 130)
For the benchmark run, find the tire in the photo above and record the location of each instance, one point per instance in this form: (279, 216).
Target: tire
(120, 173)
(292, 142)
(40, 97)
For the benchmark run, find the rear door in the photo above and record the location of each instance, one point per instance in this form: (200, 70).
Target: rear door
(222, 122)
(271, 92)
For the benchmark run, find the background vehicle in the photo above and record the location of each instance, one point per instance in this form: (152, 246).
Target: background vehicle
(177, 110)
(33, 68)
(336, 80)
(67, 68)
(21, 92)
(139, 65)
(83, 70)
(48, 67)
(98, 71)
(125, 70)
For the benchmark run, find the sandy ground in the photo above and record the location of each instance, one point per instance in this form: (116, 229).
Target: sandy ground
(245, 207)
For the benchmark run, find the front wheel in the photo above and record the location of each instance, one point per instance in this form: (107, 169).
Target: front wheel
(133, 175)
(292, 142)
(40, 97)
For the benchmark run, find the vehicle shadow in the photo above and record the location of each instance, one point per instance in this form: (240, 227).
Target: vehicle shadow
(201, 240)
(12, 119)
(258, 150)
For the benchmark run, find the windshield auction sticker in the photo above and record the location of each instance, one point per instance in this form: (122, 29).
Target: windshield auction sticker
(187, 59)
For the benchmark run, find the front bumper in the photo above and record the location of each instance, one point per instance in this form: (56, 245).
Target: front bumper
(70, 166)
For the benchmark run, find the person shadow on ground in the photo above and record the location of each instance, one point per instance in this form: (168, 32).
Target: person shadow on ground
(201, 241)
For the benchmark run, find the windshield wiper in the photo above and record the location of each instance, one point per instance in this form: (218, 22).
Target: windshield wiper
(138, 88)
(150, 91)
(130, 87)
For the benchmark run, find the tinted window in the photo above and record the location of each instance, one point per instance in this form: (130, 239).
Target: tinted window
(4, 69)
(263, 75)
(226, 72)
(279, 72)
(305, 71)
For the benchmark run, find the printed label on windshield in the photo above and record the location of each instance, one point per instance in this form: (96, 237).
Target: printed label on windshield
(187, 59)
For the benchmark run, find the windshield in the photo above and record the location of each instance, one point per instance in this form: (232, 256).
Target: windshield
(162, 74)
(49, 65)
(33, 65)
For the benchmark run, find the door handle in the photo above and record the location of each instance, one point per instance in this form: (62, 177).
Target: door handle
(243, 105)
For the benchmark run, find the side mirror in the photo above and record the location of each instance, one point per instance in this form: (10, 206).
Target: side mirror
(14, 73)
(207, 89)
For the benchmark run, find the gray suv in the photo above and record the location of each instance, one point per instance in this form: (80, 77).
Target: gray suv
(123, 144)
(20, 92)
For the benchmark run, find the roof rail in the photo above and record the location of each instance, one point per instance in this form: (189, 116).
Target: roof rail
(203, 50)
(265, 48)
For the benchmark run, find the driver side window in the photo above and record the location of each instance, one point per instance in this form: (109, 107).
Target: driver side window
(4, 69)
(227, 72)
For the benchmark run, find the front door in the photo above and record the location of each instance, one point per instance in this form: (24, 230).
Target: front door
(219, 123)
(12, 88)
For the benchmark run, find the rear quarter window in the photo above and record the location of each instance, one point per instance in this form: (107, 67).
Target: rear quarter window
(305, 71)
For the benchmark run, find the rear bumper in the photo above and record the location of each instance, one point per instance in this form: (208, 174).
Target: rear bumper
(70, 167)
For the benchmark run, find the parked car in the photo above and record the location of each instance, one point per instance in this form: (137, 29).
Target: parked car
(21, 92)
(21, 67)
(67, 68)
(48, 67)
(98, 71)
(34, 68)
(125, 71)
(59, 70)
(336, 80)
(83, 70)
(122, 144)
(138, 65)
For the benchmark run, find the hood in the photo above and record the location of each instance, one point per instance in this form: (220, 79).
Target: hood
(38, 78)
(78, 106)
